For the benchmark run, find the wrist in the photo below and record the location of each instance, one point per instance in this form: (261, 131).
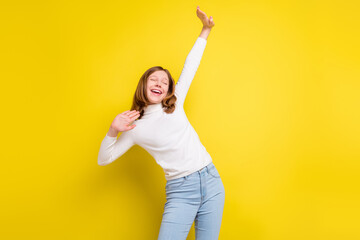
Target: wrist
(206, 28)
(112, 132)
(205, 32)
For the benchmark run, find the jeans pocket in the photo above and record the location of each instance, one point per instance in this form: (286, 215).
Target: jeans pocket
(214, 172)
(175, 183)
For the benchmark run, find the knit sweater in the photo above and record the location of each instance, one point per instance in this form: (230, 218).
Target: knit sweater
(168, 137)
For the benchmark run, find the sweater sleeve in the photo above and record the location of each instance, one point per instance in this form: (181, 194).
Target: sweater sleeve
(191, 65)
(112, 148)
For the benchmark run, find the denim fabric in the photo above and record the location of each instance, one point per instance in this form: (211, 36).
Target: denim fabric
(199, 196)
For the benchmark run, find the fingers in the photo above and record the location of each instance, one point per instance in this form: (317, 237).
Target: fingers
(198, 10)
(202, 15)
(212, 21)
(128, 112)
(134, 115)
(130, 117)
(130, 127)
(124, 113)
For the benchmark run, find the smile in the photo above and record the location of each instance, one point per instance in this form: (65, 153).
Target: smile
(156, 92)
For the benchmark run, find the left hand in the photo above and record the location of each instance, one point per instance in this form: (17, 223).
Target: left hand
(207, 22)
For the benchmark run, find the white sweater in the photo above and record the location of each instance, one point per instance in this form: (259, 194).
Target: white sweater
(169, 138)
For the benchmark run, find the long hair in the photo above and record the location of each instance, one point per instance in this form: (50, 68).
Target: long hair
(141, 101)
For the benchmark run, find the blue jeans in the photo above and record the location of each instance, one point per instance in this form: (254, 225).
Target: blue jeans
(199, 196)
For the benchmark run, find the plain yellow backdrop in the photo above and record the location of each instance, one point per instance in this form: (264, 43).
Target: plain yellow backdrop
(275, 101)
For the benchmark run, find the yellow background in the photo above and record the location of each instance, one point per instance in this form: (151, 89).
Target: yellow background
(275, 102)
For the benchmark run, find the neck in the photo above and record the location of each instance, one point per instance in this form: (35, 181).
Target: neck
(152, 108)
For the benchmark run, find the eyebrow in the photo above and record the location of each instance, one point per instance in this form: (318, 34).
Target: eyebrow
(156, 77)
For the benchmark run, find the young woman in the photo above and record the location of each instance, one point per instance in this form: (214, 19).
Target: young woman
(158, 123)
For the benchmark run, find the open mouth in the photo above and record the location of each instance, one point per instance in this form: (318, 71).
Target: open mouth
(156, 92)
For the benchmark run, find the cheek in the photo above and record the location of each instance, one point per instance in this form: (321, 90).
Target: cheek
(148, 93)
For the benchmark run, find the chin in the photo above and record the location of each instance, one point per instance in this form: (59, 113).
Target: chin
(154, 102)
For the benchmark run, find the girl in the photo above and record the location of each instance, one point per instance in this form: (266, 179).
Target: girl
(158, 123)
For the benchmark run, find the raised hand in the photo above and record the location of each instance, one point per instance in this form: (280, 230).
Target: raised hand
(207, 22)
(123, 121)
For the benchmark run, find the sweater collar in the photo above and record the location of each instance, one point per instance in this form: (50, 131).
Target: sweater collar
(152, 108)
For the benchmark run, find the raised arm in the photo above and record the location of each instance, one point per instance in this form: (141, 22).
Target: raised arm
(192, 61)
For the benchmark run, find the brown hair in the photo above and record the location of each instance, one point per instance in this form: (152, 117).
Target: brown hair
(141, 101)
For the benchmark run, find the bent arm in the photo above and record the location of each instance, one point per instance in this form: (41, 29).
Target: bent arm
(112, 148)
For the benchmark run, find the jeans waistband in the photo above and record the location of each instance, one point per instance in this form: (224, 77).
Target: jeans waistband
(204, 169)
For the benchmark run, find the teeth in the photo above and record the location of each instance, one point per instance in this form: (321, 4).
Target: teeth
(157, 91)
